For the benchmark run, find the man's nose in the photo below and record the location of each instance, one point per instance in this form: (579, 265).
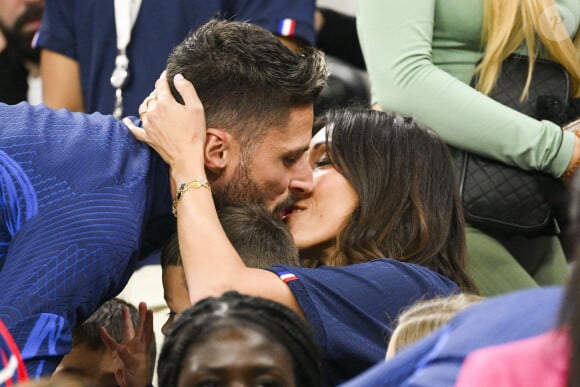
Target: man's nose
(302, 182)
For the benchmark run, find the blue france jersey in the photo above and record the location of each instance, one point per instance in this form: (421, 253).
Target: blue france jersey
(76, 192)
(352, 308)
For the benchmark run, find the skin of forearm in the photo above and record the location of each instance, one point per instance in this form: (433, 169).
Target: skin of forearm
(209, 261)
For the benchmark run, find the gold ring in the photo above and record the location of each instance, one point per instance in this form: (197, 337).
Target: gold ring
(141, 115)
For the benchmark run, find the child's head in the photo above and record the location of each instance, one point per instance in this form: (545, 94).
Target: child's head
(261, 240)
(424, 317)
(90, 360)
(240, 338)
(175, 288)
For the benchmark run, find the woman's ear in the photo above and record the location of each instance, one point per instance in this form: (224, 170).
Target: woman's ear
(217, 151)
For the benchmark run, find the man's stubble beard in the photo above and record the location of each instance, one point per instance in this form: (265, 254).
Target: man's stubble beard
(239, 190)
(243, 189)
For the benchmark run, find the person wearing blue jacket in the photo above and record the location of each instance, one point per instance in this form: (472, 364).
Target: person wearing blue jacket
(78, 194)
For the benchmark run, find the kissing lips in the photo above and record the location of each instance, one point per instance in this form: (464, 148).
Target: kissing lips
(288, 211)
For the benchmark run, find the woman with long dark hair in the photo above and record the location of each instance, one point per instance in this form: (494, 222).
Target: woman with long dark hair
(406, 205)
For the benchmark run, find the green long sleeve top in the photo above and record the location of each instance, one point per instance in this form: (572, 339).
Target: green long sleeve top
(420, 57)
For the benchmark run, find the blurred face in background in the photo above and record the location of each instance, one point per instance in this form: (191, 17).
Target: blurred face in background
(94, 367)
(19, 22)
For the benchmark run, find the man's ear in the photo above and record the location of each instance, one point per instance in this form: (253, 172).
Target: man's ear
(217, 151)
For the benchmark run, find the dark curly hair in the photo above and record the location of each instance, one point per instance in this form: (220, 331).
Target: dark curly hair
(233, 309)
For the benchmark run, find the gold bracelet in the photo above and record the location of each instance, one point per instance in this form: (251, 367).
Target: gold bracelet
(572, 169)
(183, 187)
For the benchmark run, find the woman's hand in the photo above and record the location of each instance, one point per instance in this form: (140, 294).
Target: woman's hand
(574, 127)
(177, 132)
(131, 357)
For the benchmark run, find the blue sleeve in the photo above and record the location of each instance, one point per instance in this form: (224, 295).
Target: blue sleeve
(291, 18)
(351, 293)
(73, 200)
(499, 320)
(57, 31)
(351, 308)
(396, 371)
(437, 359)
(61, 266)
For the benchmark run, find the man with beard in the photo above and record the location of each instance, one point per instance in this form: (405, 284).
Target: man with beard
(19, 74)
(78, 192)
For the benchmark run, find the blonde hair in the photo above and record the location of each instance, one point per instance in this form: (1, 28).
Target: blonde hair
(508, 24)
(424, 317)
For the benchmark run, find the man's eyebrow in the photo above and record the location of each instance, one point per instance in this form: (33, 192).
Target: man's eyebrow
(298, 151)
(257, 369)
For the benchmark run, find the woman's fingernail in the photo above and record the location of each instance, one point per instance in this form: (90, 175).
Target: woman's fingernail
(178, 77)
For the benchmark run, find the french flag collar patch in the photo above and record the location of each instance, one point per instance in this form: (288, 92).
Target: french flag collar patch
(286, 276)
(287, 27)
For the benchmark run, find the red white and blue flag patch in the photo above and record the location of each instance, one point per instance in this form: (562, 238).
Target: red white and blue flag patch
(286, 276)
(287, 27)
(12, 369)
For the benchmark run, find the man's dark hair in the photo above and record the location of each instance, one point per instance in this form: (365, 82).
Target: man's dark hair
(110, 316)
(277, 322)
(246, 78)
(261, 239)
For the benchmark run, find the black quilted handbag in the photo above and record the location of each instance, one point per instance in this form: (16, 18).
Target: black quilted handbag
(500, 198)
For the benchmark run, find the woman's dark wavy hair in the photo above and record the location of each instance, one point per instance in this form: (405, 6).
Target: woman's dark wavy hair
(409, 207)
(275, 320)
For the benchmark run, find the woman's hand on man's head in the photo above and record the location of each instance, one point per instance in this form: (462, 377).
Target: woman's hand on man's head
(177, 132)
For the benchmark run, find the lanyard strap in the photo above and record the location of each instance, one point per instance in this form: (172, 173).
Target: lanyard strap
(126, 12)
